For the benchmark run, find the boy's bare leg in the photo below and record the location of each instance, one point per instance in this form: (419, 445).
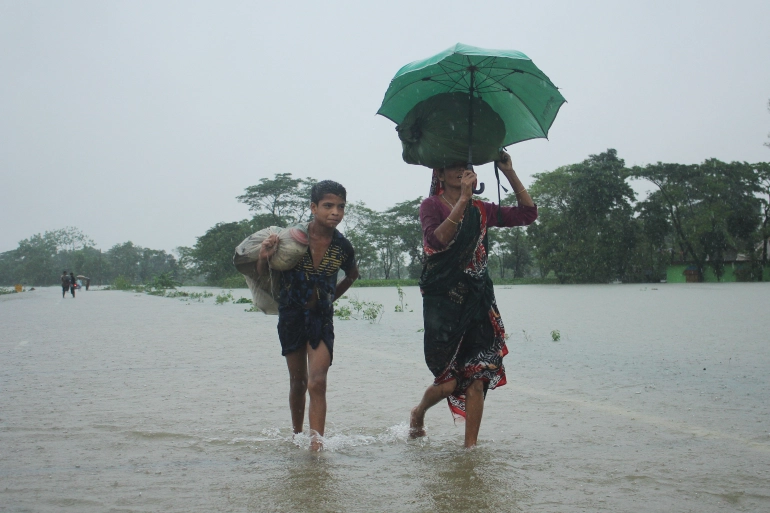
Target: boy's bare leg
(319, 361)
(297, 363)
(474, 408)
(432, 396)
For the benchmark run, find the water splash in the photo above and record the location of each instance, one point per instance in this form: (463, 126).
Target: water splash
(340, 441)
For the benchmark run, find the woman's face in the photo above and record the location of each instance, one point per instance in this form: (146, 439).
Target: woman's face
(452, 176)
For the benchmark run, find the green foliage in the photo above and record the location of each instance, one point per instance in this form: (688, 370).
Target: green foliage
(584, 231)
(402, 306)
(357, 222)
(712, 210)
(213, 252)
(404, 221)
(122, 283)
(224, 297)
(590, 230)
(371, 311)
(511, 249)
(198, 296)
(555, 335)
(243, 301)
(6, 291)
(280, 201)
(164, 281)
(234, 282)
(343, 312)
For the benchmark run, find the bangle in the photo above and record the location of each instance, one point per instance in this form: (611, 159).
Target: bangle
(453, 222)
(523, 190)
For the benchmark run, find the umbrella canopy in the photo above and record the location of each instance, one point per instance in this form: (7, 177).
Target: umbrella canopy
(504, 82)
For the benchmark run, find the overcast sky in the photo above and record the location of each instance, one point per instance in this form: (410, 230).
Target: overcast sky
(143, 120)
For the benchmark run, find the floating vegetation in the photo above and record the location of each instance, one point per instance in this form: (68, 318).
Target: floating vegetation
(343, 312)
(367, 310)
(555, 335)
(224, 297)
(402, 306)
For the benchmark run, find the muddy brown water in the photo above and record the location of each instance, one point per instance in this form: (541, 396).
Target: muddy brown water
(655, 398)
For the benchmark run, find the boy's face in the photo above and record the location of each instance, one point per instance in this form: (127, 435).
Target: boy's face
(329, 211)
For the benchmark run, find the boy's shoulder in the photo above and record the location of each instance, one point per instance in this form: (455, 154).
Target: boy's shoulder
(342, 241)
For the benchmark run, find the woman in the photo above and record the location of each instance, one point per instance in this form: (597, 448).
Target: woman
(464, 335)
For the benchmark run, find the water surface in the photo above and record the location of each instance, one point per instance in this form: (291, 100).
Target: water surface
(654, 399)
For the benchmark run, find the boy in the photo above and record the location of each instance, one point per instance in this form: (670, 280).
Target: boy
(305, 305)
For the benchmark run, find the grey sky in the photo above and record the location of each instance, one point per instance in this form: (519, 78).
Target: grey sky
(142, 121)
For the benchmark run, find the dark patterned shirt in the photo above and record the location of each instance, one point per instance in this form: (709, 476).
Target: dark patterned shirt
(300, 283)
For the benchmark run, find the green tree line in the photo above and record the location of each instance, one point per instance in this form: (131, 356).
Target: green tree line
(591, 228)
(40, 259)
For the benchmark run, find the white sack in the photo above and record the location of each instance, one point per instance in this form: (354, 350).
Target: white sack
(292, 245)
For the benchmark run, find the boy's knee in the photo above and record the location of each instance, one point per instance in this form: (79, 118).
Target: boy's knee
(317, 385)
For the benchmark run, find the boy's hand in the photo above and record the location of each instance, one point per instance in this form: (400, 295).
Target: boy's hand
(269, 247)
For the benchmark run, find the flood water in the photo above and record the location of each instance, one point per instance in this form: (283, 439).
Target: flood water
(655, 399)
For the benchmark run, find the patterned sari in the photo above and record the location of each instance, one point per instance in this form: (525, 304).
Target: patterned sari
(464, 334)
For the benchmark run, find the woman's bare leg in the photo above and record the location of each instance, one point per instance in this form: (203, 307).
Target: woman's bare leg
(432, 396)
(319, 361)
(297, 363)
(474, 409)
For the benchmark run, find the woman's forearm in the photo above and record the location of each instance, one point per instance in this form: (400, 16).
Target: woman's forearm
(522, 195)
(448, 227)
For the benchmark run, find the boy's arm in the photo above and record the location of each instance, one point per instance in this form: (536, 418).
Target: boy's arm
(342, 287)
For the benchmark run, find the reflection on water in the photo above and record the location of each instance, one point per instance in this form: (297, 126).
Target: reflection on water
(467, 480)
(309, 483)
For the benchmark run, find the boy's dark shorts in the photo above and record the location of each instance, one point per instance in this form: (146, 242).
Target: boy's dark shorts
(297, 327)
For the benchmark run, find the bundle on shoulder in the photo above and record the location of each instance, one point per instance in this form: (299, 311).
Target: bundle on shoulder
(293, 242)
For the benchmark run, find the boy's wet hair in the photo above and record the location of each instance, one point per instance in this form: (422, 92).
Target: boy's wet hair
(325, 187)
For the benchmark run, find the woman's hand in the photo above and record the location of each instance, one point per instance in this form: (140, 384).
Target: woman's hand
(467, 184)
(269, 247)
(505, 165)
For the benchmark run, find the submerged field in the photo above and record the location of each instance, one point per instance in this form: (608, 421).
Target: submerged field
(654, 398)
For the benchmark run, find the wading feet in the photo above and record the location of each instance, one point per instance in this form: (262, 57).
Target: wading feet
(316, 441)
(416, 423)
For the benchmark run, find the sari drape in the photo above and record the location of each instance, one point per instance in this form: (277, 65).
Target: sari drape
(464, 334)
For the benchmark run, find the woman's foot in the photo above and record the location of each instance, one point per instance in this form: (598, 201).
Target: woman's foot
(416, 423)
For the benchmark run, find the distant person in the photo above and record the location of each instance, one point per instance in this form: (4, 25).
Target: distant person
(65, 283)
(88, 283)
(305, 305)
(464, 340)
(73, 283)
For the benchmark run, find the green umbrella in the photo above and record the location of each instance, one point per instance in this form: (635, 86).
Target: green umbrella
(466, 103)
